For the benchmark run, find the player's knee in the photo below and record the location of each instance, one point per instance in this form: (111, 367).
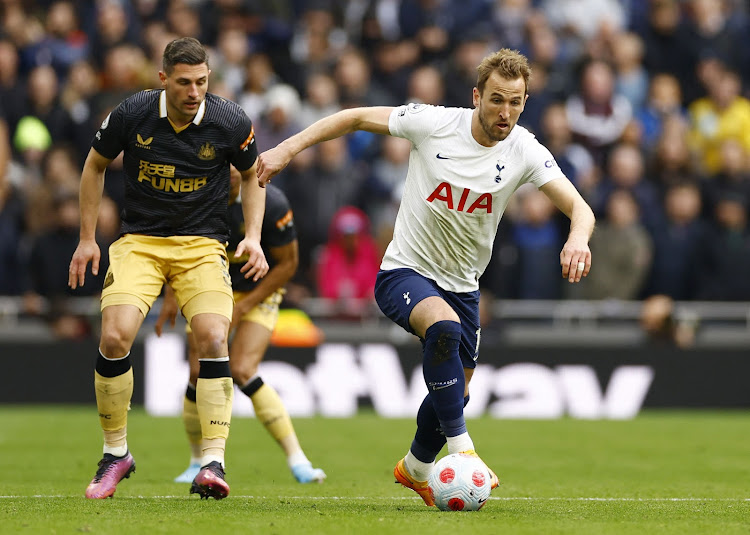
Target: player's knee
(115, 342)
(212, 342)
(443, 338)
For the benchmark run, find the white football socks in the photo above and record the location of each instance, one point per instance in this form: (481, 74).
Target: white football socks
(460, 443)
(117, 451)
(297, 458)
(417, 469)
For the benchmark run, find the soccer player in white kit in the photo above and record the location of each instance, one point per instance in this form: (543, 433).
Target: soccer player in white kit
(464, 166)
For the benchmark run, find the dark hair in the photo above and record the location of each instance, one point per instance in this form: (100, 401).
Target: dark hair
(187, 50)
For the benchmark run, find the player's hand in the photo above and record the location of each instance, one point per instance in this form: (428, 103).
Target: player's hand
(256, 265)
(87, 251)
(270, 163)
(168, 312)
(575, 259)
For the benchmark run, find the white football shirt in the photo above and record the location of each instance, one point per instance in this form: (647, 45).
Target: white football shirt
(455, 193)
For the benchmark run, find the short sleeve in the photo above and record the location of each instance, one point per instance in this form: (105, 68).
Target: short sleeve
(108, 140)
(413, 121)
(541, 166)
(244, 148)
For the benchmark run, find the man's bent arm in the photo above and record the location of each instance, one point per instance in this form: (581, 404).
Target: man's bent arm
(575, 257)
(253, 198)
(567, 199)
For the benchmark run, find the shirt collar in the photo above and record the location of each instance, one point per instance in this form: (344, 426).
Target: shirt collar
(163, 108)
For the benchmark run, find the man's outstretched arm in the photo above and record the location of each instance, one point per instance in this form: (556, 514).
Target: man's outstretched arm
(371, 119)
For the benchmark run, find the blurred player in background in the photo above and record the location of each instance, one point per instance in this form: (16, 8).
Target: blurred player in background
(178, 144)
(256, 311)
(464, 166)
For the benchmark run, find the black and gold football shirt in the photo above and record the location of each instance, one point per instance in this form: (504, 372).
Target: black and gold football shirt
(278, 229)
(177, 181)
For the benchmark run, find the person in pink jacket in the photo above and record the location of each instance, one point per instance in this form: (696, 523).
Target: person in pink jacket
(350, 260)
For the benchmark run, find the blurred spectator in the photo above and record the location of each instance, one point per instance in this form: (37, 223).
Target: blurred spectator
(733, 177)
(228, 62)
(43, 103)
(725, 254)
(124, 71)
(426, 86)
(663, 325)
(711, 31)
(156, 37)
(724, 114)
(540, 98)
(547, 52)
(11, 237)
(111, 23)
(462, 67)
(597, 115)
(333, 181)
(631, 78)
(259, 79)
(80, 98)
(584, 20)
(574, 160)
(626, 171)
(664, 101)
(317, 42)
(48, 276)
(669, 47)
(12, 85)
(61, 170)
(509, 20)
(381, 193)
(357, 88)
(392, 66)
(675, 271)
(321, 99)
(64, 42)
(349, 262)
(430, 23)
(671, 162)
(538, 242)
(622, 250)
(183, 19)
(279, 121)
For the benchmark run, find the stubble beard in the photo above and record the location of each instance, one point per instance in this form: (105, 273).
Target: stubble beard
(489, 129)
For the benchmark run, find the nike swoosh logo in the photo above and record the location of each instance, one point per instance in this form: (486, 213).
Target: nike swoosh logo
(442, 157)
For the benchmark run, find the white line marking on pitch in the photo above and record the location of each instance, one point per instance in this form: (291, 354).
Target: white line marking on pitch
(336, 498)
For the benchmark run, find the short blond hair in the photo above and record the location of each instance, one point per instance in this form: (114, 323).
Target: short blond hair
(510, 64)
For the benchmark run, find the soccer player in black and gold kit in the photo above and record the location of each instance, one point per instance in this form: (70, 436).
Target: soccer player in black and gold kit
(256, 312)
(177, 146)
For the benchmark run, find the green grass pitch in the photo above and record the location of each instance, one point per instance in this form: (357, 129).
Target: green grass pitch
(664, 472)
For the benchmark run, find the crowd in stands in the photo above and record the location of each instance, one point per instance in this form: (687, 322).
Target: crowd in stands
(645, 105)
